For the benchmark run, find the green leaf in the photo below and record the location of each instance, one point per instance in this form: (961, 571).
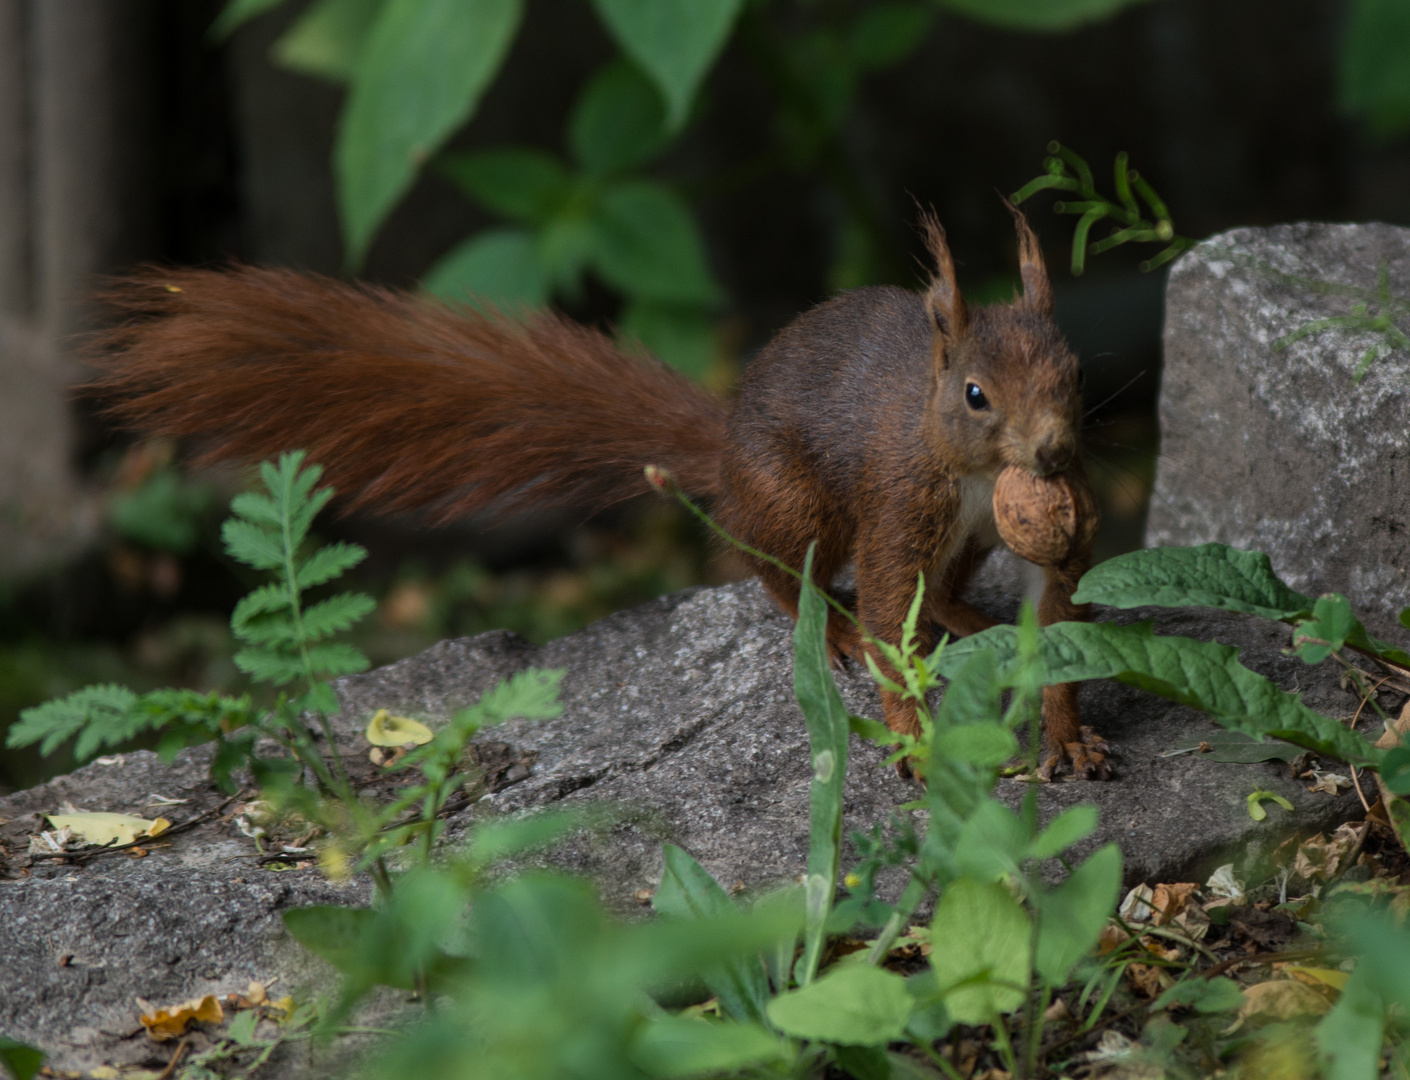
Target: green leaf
(1256, 799)
(328, 40)
(1395, 770)
(21, 1062)
(1071, 917)
(237, 12)
(680, 1046)
(1332, 622)
(618, 122)
(165, 512)
(336, 658)
(986, 746)
(973, 695)
(674, 41)
(421, 75)
(1214, 995)
(1375, 65)
(687, 891)
(1208, 575)
(993, 842)
(980, 959)
(328, 563)
(531, 694)
(252, 545)
(1037, 15)
(647, 245)
(519, 182)
(1205, 675)
(858, 1005)
(885, 34)
(97, 714)
(331, 933)
(1236, 748)
(501, 266)
(828, 730)
(496, 840)
(1073, 824)
(681, 335)
(336, 614)
(269, 667)
(1350, 1038)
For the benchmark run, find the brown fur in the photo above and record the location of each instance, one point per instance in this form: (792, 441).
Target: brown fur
(852, 428)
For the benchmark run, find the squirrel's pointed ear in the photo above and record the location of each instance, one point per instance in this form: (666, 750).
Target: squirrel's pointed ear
(1037, 290)
(943, 302)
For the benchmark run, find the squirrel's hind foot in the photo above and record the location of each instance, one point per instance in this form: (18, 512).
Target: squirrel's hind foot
(1085, 757)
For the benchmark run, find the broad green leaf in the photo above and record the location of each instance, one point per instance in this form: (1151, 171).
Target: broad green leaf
(858, 1005)
(500, 838)
(886, 33)
(828, 730)
(687, 891)
(328, 40)
(1205, 675)
(973, 694)
(1234, 747)
(1073, 824)
(681, 335)
(1332, 622)
(21, 1061)
(674, 41)
(985, 746)
(648, 246)
(1375, 65)
(1208, 575)
(1037, 15)
(1071, 917)
(1214, 995)
(1351, 1036)
(518, 182)
(870, 1063)
(618, 122)
(993, 842)
(1395, 770)
(680, 1046)
(237, 12)
(980, 938)
(420, 77)
(501, 266)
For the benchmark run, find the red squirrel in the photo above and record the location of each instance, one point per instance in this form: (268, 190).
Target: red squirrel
(875, 424)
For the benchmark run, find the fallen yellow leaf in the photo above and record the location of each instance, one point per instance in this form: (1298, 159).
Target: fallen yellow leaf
(105, 829)
(1319, 976)
(1282, 999)
(167, 1023)
(387, 730)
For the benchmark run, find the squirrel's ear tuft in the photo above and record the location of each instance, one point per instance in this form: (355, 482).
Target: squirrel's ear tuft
(1037, 291)
(943, 302)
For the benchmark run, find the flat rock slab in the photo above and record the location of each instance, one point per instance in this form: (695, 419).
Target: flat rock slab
(680, 712)
(1281, 449)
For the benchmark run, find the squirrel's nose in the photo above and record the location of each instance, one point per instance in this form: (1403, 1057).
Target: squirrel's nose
(1053, 456)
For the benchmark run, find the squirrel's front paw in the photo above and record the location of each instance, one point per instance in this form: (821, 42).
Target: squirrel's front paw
(1085, 757)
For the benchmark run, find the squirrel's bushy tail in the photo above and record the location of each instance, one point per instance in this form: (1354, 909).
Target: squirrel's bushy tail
(408, 403)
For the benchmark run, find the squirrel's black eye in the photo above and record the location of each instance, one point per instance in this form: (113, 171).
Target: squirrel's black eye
(974, 397)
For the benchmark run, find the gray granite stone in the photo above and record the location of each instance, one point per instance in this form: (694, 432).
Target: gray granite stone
(1280, 450)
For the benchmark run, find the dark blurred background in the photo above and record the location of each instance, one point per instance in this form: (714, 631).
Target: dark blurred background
(128, 134)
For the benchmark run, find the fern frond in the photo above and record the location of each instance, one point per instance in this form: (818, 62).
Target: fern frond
(266, 600)
(531, 694)
(267, 666)
(100, 709)
(327, 563)
(336, 614)
(336, 658)
(252, 545)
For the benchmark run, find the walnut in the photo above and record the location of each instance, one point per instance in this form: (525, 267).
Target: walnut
(1044, 519)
